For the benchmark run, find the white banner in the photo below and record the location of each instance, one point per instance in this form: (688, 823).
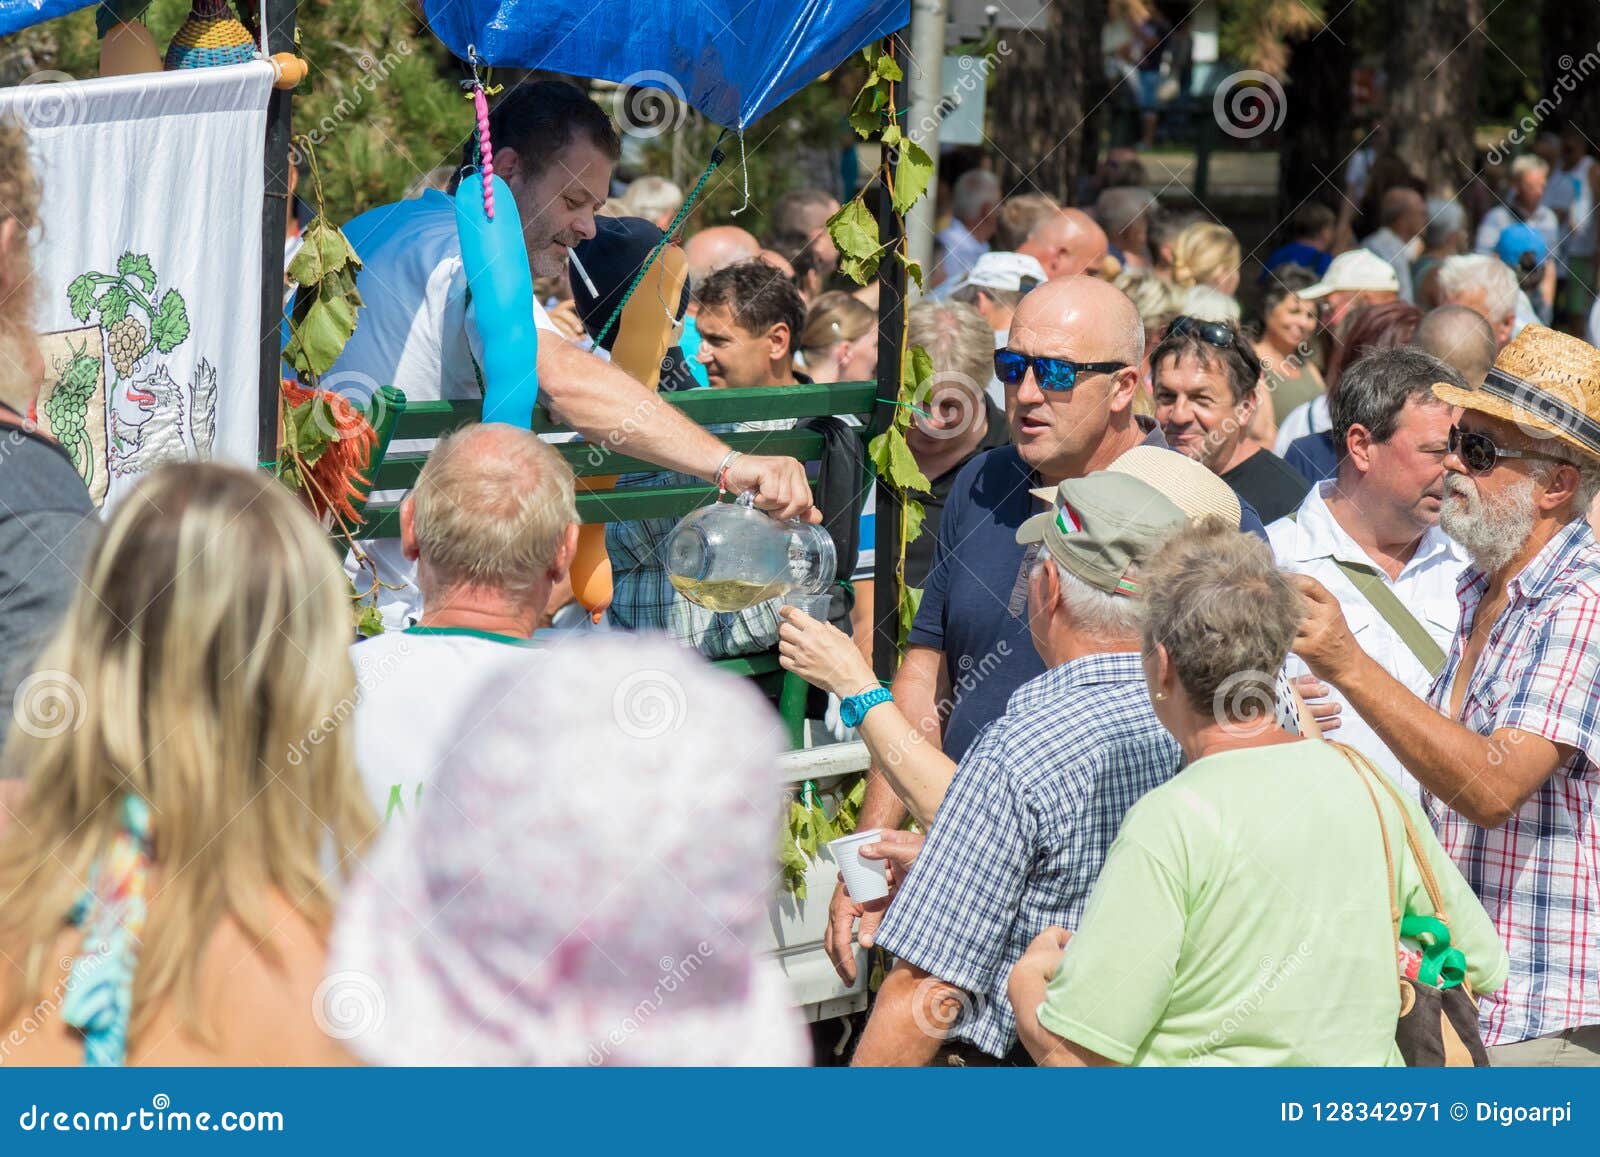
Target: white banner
(149, 264)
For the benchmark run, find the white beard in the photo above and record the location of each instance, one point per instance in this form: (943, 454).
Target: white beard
(1491, 534)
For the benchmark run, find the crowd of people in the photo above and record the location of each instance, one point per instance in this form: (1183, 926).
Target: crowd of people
(1252, 678)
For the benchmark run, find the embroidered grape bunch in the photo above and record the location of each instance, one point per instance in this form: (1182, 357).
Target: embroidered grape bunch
(67, 409)
(126, 301)
(126, 341)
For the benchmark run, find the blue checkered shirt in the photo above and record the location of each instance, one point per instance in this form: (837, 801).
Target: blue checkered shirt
(1538, 874)
(1022, 832)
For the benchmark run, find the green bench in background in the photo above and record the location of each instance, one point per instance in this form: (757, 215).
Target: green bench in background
(397, 420)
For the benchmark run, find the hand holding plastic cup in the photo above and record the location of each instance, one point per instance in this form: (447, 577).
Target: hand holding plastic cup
(816, 606)
(865, 879)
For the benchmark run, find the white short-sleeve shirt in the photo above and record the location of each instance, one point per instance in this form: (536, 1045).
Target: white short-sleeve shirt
(1311, 544)
(417, 332)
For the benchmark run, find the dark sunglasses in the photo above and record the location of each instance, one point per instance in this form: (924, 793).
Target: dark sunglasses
(1479, 454)
(1051, 373)
(1216, 333)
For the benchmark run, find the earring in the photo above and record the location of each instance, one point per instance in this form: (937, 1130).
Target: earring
(1160, 696)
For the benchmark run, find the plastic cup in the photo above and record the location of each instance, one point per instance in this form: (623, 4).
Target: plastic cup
(866, 879)
(814, 605)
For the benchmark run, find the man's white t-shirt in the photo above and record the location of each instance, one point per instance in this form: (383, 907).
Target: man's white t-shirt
(1568, 191)
(414, 692)
(418, 332)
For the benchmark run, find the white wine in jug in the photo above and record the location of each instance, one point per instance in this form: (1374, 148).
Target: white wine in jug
(728, 594)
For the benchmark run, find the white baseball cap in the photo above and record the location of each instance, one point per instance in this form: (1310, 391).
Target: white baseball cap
(1002, 271)
(1356, 270)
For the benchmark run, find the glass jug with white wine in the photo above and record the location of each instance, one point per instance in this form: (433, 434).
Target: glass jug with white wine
(730, 556)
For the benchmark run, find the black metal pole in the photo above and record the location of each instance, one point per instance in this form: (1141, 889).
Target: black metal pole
(280, 21)
(891, 331)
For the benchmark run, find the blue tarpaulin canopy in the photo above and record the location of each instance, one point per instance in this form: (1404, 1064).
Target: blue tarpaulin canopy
(731, 59)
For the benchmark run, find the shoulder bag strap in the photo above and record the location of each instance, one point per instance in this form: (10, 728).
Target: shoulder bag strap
(1383, 830)
(1369, 583)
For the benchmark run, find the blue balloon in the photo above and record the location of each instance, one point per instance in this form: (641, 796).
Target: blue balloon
(495, 259)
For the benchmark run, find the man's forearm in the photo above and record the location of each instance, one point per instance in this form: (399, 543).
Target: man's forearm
(610, 409)
(1453, 762)
(917, 771)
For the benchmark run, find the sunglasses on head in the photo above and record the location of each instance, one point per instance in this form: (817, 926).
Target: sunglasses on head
(1051, 373)
(1216, 333)
(1479, 454)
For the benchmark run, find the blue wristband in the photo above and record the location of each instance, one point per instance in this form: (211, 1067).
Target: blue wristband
(854, 709)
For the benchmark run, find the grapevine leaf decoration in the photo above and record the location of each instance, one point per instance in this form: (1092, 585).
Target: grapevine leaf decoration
(911, 175)
(809, 828)
(137, 267)
(80, 296)
(325, 302)
(171, 323)
(369, 622)
(114, 305)
(904, 174)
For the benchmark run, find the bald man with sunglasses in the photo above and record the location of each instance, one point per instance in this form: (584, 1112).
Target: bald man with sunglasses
(1507, 742)
(1070, 369)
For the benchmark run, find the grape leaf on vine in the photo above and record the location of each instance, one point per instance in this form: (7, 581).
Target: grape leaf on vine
(171, 323)
(114, 305)
(911, 175)
(80, 296)
(138, 267)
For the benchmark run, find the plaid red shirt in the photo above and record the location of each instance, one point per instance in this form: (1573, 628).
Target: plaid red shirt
(1538, 875)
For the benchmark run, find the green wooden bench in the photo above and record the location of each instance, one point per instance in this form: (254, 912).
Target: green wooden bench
(397, 420)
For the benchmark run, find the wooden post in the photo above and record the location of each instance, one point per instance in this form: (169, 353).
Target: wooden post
(280, 22)
(891, 330)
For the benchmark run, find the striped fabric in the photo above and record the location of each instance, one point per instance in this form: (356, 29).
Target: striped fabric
(1538, 875)
(1022, 832)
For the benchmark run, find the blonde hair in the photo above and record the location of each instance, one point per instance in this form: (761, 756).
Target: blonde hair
(490, 508)
(835, 317)
(19, 202)
(202, 667)
(1157, 299)
(1204, 254)
(958, 340)
(651, 197)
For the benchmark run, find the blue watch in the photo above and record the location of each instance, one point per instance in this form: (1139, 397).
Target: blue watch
(854, 709)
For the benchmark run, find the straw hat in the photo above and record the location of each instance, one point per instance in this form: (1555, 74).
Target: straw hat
(1548, 383)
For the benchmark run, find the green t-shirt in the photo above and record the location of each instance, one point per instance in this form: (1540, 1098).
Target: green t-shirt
(1240, 919)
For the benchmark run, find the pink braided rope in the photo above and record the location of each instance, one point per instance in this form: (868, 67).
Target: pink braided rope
(481, 103)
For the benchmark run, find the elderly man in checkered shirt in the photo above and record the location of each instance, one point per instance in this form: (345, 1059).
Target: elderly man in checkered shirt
(1025, 824)
(1512, 771)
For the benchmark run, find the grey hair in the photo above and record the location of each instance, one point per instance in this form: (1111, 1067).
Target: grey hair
(959, 342)
(975, 189)
(1225, 613)
(1094, 612)
(1445, 218)
(1588, 472)
(1118, 209)
(1470, 271)
(652, 196)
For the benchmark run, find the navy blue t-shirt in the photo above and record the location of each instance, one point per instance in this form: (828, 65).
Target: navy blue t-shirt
(1313, 455)
(974, 606)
